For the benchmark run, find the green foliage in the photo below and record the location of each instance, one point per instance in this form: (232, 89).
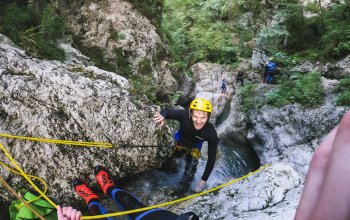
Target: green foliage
(144, 67)
(343, 98)
(123, 64)
(336, 40)
(343, 85)
(52, 25)
(254, 6)
(200, 31)
(143, 85)
(312, 54)
(271, 38)
(211, 44)
(294, 32)
(323, 36)
(36, 31)
(173, 99)
(115, 35)
(152, 9)
(343, 90)
(244, 35)
(313, 7)
(95, 54)
(248, 94)
(306, 90)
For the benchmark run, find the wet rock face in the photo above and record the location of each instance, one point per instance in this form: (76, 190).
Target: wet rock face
(207, 82)
(326, 3)
(285, 137)
(69, 102)
(258, 197)
(233, 130)
(337, 70)
(276, 131)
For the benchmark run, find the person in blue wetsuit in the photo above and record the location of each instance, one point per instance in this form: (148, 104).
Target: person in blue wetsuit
(195, 128)
(124, 200)
(223, 85)
(271, 69)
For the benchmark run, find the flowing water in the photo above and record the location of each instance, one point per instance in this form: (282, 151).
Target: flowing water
(156, 186)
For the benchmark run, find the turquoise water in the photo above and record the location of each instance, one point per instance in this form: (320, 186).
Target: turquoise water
(156, 186)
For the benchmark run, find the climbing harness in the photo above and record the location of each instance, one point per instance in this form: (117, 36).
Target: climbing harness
(42, 194)
(193, 151)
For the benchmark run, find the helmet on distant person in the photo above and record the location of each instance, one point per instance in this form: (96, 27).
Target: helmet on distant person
(201, 104)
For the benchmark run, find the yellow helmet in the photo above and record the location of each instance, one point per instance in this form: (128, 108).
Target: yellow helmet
(202, 105)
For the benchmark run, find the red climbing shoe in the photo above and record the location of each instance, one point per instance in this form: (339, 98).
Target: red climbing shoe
(102, 178)
(83, 190)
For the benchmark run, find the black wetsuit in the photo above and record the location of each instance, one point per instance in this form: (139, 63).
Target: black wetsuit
(126, 201)
(189, 136)
(240, 77)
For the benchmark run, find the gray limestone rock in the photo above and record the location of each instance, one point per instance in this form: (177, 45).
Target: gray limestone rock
(48, 99)
(124, 36)
(256, 197)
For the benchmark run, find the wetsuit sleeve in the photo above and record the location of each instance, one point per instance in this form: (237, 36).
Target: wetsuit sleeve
(212, 148)
(175, 114)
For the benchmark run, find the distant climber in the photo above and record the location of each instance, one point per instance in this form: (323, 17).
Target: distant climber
(195, 128)
(240, 75)
(223, 85)
(271, 69)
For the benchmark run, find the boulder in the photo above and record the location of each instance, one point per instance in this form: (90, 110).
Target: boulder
(49, 99)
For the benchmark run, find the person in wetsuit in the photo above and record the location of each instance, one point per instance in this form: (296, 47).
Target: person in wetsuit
(195, 128)
(223, 85)
(123, 199)
(240, 76)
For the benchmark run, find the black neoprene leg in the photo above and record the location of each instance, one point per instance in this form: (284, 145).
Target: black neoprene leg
(95, 208)
(125, 201)
(170, 164)
(190, 168)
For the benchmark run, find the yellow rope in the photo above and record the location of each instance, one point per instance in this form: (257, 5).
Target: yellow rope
(45, 140)
(95, 144)
(33, 177)
(177, 200)
(55, 141)
(18, 197)
(26, 176)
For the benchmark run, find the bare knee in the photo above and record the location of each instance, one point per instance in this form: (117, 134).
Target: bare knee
(320, 157)
(345, 123)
